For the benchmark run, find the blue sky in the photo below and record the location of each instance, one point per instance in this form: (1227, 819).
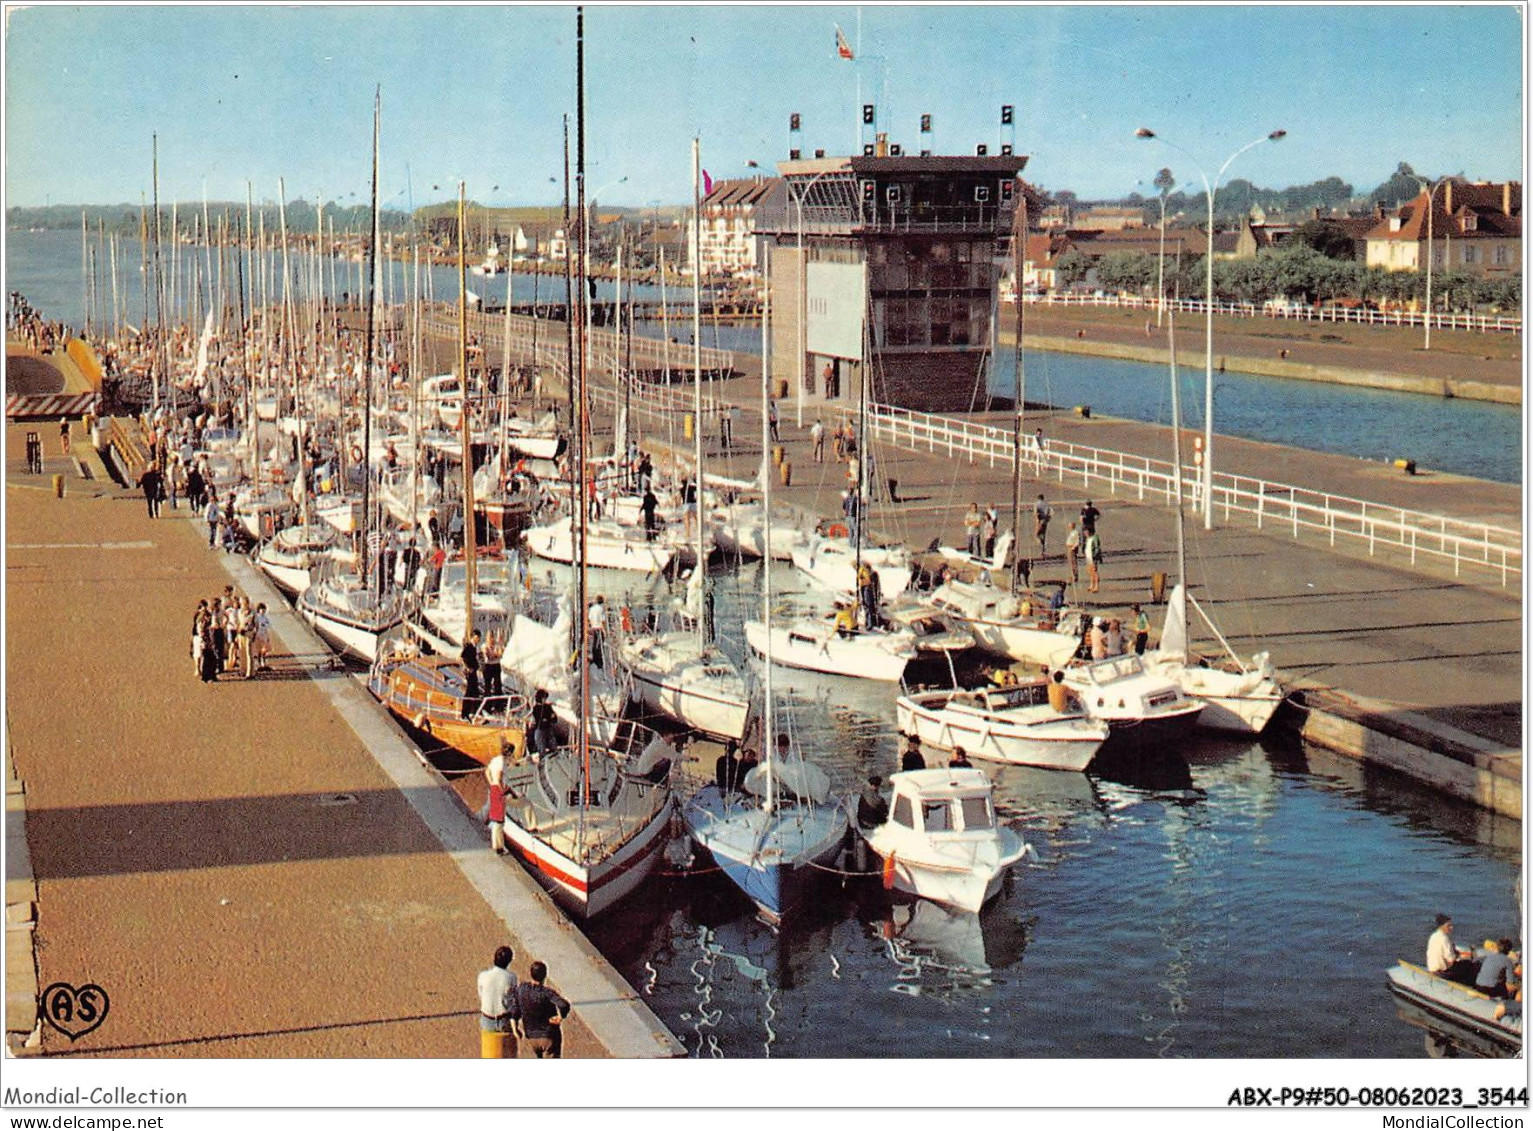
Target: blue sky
(257, 93)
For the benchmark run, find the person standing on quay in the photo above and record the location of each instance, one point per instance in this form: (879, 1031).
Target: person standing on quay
(1042, 513)
(1073, 552)
(497, 1008)
(211, 638)
(470, 658)
(1093, 561)
(152, 483)
(261, 625)
(1141, 630)
(817, 437)
(541, 1013)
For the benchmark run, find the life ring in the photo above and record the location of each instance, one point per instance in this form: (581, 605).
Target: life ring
(837, 530)
(356, 453)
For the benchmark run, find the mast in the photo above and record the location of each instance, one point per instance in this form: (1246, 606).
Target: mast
(1019, 391)
(285, 325)
(1176, 461)
(471, 578)
(163, 352)
(569, 305)
(85, 272)
(697, 380)
(768, 728)
(367, 355)
(581, 510)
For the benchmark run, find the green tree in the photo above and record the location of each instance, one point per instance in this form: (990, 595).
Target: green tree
(1073, 267)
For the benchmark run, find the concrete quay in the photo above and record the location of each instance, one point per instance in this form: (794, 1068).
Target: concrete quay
(249, 868)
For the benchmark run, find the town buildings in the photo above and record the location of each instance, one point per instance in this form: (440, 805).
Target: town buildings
(1473, 226)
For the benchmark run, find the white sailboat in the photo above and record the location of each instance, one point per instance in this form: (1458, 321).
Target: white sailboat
(819, 644)
(1008, 624)
(770, 836)
(288, 557)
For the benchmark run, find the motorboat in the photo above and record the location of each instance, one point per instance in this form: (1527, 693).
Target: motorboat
(1139, 706)
(497, 589)
(985, 563)
(1015, 725)
(739, 531)
(816, 644)
(261, 512)
(832, 563)
(942, 841)
(288, 556)
(1019, 627)
(342, 511)
(1462, 1007)
(430, 693)
(584, 822)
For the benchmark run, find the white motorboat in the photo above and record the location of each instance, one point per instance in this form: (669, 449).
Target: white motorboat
(942, 842)
(349, 615)
(1139, 706)
(288, 557)
(343, 512)
(675, 674)
(739, 531)
(537, 440)
(587, 829)
(1015, 725)
(497, 589)
(832, 563)
(1017, 627)
(1242, 702)
(261, 513)
(991, 563)
(815, 644)
(608, 546)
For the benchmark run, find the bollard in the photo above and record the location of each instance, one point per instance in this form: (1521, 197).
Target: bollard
(688, 425)
(1083, 411)
(1406, 465)
(787, 473)
(1158, 587)
(777, 456)
(780, 389)
(894, 490)
(58, 486)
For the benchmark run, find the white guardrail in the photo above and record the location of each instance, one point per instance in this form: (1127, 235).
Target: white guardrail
(1270, 505)
(1441, 320)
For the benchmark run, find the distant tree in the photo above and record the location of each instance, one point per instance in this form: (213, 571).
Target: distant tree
(1073, 267)
(1325, 238)
(1403, 185)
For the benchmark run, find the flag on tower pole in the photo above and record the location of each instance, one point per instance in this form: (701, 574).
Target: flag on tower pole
(843, 48)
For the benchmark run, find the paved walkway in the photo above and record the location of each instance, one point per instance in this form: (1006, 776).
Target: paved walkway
(229, 861)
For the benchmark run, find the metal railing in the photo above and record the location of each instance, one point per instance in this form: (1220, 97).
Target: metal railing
(1280, 506)
(1441, 320)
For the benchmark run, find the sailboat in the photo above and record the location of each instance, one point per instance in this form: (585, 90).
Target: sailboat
(1242, 701)
(432, 692)
(771, 833)
(589, 819)
(682, 674)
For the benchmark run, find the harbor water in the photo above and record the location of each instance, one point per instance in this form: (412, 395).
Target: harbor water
(1226, 899)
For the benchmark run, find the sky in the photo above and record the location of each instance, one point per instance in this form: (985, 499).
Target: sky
(254, 94)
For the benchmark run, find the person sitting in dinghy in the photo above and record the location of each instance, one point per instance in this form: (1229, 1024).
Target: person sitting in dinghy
(1446, 960)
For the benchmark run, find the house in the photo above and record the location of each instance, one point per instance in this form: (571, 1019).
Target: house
(1257, 234)
(1473, 226)
(1110, 218)
(729, 244)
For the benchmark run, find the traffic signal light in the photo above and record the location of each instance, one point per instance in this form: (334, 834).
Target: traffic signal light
(793, 122)
(867, 113)
(1006, 115)
(926, 123)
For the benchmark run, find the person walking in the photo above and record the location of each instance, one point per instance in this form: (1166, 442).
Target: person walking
(1141, 630)
(1042, 513)
(197, 619)
(540, 1014)
(772, 421)
(153, 484)
(497, 1008)
(838, 439)
(210, 647)
(1093, 562)
(1089, 516)
(261, 636)
(1073, 552)
(495, 804)
(817, 437)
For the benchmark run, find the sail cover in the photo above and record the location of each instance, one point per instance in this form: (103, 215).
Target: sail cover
(1173, 638)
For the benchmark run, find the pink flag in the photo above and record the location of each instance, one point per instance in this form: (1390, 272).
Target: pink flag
(707, 183)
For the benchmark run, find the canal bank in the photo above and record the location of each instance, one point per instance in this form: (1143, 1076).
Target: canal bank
(275, 843)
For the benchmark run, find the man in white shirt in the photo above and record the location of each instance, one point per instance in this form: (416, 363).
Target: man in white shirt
(497, 1008)
(1442, 955)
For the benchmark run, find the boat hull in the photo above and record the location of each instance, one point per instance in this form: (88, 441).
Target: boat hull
(1058, 745)
(715, 715)
(831, 654)
(1458, 1006)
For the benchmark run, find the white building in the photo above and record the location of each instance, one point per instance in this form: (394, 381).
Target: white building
(730, 245)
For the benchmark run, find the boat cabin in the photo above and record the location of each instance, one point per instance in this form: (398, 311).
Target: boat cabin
(954, 800)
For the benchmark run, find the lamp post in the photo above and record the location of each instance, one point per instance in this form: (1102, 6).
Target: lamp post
(1165, 182)
(1210, 190)
(1426, 317)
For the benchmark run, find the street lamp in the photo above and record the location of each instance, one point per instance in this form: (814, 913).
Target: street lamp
(1426, 317)
(1164, 182)
(1210, 190)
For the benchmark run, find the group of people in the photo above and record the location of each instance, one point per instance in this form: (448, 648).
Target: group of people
(509, 1009)
(1106, 637)
(1495, 969)
(23, 321)
(480, 657)
(228, 635)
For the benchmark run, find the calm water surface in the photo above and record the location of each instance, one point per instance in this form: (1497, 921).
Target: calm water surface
(1237, 899)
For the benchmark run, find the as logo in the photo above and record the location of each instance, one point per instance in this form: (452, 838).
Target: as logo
(74, 1012)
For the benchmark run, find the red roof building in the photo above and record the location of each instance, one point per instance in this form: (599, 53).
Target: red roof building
(1474, 227)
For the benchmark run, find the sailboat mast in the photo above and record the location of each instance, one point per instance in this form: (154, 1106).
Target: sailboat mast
(367, 350)
(471, 578)
(581, 508)
(697, 373)
(768, 729)
(162, 354)
(1019, 391)
(569, 309)
(1176, 463)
